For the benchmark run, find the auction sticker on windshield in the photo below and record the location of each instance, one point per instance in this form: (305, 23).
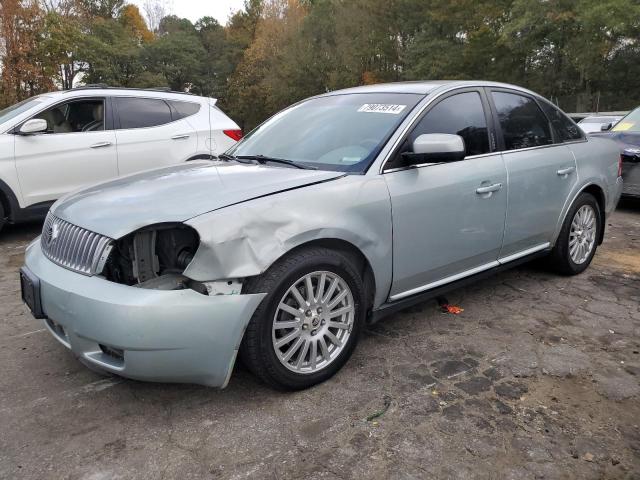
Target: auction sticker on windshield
(381, 108)
(623, 126)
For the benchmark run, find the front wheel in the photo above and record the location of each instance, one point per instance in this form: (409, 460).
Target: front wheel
(307, 326)
(578, 239)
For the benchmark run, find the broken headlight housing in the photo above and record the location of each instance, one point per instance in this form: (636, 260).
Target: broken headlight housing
(154, 257)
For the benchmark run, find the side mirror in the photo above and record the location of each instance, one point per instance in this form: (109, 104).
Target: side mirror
(436, 148)
(606, 127)
(35, 125)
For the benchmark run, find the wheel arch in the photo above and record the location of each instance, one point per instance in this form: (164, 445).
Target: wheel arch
(345, 247)
(200, 156)
(598, 192)
(9, 201)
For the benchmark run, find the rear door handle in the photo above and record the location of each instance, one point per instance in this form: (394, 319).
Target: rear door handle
(566, 171)
(489, 188)
(180, 137)
(101, 145)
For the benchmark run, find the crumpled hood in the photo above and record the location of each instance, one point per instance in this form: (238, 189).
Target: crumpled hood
(176, 194)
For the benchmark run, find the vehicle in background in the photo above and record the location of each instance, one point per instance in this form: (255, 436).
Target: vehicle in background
(340, 209)
(626, 133)
(59, 142)
(594, 123)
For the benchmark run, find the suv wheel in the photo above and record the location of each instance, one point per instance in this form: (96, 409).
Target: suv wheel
(578, 239)
(307, 326)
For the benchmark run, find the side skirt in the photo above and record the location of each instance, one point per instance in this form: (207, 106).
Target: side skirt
(390, 308)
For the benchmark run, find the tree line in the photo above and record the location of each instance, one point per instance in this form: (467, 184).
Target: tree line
(582, 54)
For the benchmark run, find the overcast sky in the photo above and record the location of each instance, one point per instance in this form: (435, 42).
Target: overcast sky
(194, 10)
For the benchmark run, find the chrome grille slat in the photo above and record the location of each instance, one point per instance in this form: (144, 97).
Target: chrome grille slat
(73, 247)
(82, 249)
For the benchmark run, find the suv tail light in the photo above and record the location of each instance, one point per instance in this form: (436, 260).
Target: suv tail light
(235, 134)
(620, 166)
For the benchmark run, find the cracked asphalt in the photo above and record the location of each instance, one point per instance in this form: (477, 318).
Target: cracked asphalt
(539, 377)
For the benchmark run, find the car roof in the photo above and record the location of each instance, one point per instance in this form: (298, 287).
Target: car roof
(425, 87)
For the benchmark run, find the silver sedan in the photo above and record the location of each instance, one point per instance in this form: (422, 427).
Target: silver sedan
(337, 211)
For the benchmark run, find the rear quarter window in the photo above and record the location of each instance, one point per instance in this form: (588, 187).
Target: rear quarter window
(565, 128)
(183, 109)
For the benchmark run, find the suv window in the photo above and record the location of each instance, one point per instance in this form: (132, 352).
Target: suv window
(75, 116)
(460, 114)
(566, 129)
(523, 123)
(142, 112)
(183, 109)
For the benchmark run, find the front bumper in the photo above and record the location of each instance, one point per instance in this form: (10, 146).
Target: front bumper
(162, 336)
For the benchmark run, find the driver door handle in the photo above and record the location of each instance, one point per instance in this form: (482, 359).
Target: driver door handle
(566, 171)
(101, 145)
(489, 188)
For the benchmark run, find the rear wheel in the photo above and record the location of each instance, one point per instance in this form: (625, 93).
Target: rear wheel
(578, 239)
(307, 326)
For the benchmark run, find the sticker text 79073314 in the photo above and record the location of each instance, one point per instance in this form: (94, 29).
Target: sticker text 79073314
(382, 108)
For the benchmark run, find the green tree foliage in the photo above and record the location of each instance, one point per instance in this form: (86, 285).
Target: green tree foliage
(60, 43)
(111, 54)
(177, 54)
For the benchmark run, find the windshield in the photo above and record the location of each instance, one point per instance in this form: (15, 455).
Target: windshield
(15, 110)
(340, 132)
(630, 123)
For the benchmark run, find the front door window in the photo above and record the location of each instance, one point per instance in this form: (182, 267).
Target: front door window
(75, 116)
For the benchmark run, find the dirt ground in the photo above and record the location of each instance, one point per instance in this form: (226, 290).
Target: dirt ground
(539, 377)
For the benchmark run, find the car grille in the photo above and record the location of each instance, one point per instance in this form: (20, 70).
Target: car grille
(74, 247)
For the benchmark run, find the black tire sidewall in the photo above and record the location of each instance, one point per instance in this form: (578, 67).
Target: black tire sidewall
(320, 261)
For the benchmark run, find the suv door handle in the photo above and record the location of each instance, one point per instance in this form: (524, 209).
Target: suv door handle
(489, 188)
(180, 137)
(566, 171)
(101, 144)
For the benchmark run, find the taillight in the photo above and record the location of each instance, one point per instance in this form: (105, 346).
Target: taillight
(235, 134)
(620, 166)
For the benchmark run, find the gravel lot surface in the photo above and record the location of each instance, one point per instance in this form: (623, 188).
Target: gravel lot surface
(539, 377)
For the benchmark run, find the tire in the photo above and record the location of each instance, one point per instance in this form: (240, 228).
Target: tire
(3, 220)
(563, 259)
(269, 324)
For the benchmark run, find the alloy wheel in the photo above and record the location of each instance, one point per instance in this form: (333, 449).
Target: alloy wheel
(313, 322)
(582, 236)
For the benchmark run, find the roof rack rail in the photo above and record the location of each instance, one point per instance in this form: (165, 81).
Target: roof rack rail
(93, 86)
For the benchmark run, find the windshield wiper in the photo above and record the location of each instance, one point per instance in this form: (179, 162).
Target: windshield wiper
(225, 157)
(262, 159)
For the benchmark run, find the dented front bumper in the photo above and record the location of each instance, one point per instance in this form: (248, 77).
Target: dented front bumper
(164, 336)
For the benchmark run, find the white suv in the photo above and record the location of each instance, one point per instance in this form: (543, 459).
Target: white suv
(58, 142)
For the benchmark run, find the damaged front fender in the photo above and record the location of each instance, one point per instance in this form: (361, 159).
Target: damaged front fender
(244, 240)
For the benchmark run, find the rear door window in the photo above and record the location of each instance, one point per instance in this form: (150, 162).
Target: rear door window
(522, 122)
(142, 112)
